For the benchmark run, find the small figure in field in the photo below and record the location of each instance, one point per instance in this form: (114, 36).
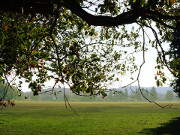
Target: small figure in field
(11, 103)
(3, 104)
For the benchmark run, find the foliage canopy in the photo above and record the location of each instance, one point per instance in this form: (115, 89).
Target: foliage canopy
(61, 40)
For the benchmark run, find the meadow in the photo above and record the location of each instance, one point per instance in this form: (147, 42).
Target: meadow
(52, 118)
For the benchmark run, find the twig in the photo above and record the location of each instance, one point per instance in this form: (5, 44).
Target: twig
(67, 102)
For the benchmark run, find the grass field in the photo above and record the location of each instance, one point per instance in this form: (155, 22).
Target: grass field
(52, 118)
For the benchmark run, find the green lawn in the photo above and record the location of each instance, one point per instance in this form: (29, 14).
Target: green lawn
(52, 118)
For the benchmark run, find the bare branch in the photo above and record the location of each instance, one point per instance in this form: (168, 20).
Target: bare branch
(67, 102)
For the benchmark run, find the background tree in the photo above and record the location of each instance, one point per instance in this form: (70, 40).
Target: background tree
(153, 94)
(110, 96)
(7, 94)
(169, 95)
(138, 95)
(57, 40)
(126, 95)
(146, 94)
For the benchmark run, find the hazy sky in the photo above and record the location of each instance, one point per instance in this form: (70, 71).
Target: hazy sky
(148, 71)
(146, 77)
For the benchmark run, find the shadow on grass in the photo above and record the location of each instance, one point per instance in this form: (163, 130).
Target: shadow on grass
(170, 128)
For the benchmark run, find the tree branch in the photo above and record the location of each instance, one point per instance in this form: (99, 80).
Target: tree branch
(97, 20)
(45, 7)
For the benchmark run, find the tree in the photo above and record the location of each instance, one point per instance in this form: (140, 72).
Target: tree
(110, 96)
(57, 39)
(153, 94)
(138, 95)
(169, 95)
(119, 96)
(8, 94)
(126, 94)
(175, 58)
(145, 94)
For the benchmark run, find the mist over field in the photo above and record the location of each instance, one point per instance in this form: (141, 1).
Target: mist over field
(129, 94)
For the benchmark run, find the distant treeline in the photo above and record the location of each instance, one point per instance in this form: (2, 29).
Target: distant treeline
(125, 95)
(112, 96)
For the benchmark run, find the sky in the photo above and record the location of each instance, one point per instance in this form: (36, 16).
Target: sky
(146, 76)
(147, 73)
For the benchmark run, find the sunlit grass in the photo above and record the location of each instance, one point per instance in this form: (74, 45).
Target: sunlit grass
(33, 118)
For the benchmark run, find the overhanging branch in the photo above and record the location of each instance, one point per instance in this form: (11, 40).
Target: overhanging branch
(45, 7)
